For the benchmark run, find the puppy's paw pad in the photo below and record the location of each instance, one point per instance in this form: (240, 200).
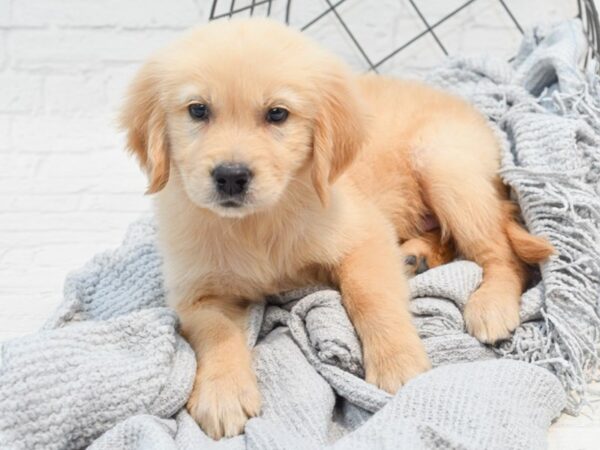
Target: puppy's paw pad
(419, 256)
(416, 265)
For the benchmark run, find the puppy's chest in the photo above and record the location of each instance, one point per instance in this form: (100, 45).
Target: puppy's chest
(249, 269)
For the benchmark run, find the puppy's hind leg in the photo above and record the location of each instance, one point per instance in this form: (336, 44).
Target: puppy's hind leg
(458, 176)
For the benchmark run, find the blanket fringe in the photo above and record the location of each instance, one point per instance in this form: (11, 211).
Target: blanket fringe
(568, 342)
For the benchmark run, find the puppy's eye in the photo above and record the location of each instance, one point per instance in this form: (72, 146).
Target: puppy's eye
(277, 115)
(198, 111)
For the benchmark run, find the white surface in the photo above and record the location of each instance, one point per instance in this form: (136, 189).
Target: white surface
(68, 191)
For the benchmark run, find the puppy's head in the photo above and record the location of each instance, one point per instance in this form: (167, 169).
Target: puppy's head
(236, 110)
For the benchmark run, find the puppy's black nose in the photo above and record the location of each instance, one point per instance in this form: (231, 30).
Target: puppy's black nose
(231, 179)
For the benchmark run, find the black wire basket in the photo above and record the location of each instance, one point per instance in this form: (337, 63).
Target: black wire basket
(284, 10)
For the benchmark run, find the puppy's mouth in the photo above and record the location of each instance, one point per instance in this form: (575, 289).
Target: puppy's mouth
(231, 204)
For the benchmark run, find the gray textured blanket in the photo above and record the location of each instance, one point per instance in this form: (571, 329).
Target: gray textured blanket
(109, 369)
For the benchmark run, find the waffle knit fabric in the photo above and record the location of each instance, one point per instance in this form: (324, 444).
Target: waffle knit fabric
(110, 371)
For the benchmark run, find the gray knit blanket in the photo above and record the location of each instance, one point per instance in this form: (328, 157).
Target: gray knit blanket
(110, 371)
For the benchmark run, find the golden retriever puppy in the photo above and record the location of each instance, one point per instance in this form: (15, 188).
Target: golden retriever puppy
(273, 167)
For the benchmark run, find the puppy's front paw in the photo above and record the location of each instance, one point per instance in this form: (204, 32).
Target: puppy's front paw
(491, 315)
(222, 404)
(391, 365)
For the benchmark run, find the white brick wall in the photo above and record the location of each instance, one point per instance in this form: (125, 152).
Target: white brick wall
(67, 190)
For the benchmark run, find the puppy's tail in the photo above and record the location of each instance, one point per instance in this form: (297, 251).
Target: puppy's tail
(529, 248)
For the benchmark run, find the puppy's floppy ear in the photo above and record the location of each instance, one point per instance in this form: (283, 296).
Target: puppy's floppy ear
(339, 132)
(145, 122)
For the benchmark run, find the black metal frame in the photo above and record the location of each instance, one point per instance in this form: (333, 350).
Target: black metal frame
(587, 12)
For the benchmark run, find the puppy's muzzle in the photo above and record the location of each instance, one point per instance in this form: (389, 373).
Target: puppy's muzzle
(231, 179)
